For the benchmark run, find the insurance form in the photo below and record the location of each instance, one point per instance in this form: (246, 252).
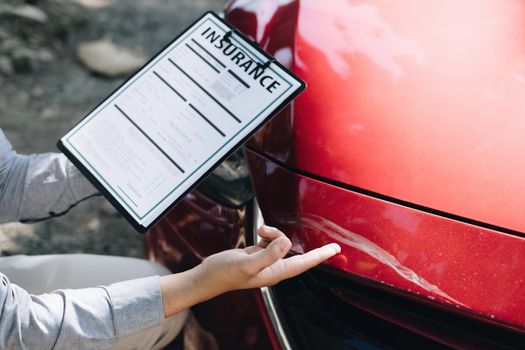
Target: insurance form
(171, 123)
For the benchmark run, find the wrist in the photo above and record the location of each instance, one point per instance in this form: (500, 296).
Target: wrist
(185, 289)
(210, 284)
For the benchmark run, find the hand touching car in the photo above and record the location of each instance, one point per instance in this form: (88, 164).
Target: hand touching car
(251, 267)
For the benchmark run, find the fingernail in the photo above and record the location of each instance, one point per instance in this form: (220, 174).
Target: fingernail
(336, 247)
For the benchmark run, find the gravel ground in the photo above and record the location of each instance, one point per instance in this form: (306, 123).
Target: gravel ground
(42, 99)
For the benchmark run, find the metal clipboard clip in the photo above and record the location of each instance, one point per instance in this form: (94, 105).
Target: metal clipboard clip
(227, 38)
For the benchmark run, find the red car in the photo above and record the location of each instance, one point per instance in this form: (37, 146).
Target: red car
(407, 149)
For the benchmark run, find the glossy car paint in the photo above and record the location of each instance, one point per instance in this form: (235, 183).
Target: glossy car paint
(420, 101)
(464, 268)
(194, 229)
(412, 100)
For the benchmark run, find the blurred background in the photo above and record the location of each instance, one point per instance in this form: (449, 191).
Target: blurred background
(58, 60)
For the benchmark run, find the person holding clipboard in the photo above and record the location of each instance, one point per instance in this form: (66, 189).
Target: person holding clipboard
(97, 302)
(123, 315)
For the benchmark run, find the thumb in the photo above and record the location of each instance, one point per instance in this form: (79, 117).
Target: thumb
(276, 250)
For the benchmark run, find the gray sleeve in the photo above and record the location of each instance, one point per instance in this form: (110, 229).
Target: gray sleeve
(38, 186)
(90, 318)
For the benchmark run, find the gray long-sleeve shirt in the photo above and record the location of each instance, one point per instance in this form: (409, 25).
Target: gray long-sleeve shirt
(34, 187)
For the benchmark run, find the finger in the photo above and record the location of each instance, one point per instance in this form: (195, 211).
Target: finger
(263, 258)
(298, 264)
(269, 232)
(252, 249)
(263, 243)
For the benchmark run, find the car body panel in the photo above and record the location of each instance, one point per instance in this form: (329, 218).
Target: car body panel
(405, 149)
(465, 268)
(419, 101)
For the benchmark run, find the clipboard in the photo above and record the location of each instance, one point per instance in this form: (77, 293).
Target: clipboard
(179, 116)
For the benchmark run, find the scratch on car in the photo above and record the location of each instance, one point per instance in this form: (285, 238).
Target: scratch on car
(352, 239)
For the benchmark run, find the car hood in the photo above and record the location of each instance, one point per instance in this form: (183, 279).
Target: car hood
(421, 102)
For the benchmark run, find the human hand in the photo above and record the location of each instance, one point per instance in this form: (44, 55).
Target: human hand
(260, 265)
(250, 267)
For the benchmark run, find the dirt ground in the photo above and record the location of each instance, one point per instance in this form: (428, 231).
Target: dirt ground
(41, 100)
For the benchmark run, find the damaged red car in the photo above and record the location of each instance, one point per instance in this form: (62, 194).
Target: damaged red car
(407, 149)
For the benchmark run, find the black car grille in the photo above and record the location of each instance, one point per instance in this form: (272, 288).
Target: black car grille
(320, 310)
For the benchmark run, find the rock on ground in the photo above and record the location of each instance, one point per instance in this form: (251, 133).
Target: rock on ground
(106, 58)
(29, 13)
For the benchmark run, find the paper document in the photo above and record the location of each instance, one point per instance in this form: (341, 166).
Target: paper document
(174, 120)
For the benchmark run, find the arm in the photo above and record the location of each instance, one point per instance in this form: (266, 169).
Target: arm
(38, 186)
(94, 318)
(90, 318)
